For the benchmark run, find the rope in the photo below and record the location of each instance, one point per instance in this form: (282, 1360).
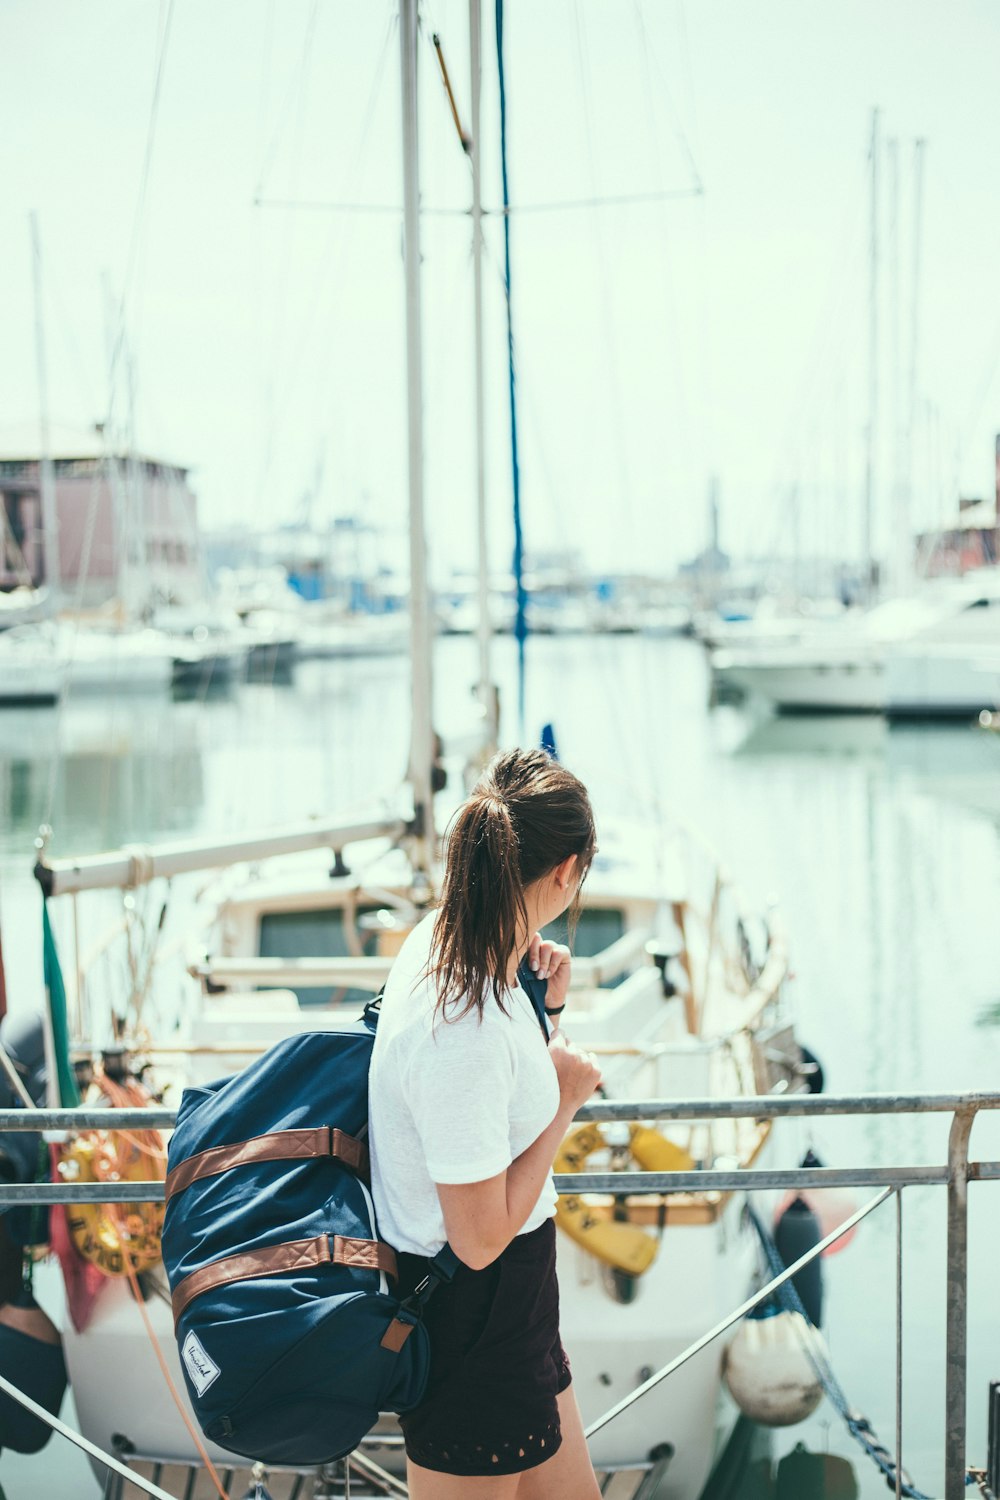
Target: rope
(857, 1425)
(114, 1168)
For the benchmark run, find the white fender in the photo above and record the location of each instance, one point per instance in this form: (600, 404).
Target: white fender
(768, 1370)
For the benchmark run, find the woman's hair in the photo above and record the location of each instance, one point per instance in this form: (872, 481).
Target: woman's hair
(526, 814)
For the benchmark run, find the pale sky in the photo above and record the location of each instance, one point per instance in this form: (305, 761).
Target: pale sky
(658, 343)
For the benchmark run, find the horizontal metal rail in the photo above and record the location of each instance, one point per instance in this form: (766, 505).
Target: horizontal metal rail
(955, 1175)
(738, 1180)
(746, 1107)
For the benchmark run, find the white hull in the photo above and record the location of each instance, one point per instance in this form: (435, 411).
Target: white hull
(949, 682)
(937, 652)
(118, 673)
(845, 684)
(26, 681)
(378, 636)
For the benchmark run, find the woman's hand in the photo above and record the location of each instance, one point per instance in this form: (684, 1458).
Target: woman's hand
(577, 1071)
(550, 961)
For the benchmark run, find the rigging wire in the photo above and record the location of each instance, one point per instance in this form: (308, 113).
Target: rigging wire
(513, 210)
(298, 88)
(328, 274)
(650, 55)
(623, 487)
(520, 620)
(612, 686)
(118, 344)
(281, 390)
(685, 425)
(293, 93)
(333, 259)
(826, 356)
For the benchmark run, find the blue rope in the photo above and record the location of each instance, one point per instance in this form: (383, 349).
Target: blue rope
(521, 616)
(858, 1426)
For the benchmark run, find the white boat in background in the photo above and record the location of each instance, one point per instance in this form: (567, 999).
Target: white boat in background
(666, 620)
(322, 635)
(944, 679)
(773, 622)
(23, 605)
(111, 661)
(209, 645)
(884, 660)
(30, 669)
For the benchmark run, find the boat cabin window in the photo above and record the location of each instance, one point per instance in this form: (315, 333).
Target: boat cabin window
(314, 934)
(598, 928)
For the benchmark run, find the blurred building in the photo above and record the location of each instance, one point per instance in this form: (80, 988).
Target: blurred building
(969, 541)
(126, 526)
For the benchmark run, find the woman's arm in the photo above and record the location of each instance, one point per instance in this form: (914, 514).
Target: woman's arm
(481, 1218)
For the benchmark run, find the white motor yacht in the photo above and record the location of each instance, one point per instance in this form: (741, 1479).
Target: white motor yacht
(893, 658)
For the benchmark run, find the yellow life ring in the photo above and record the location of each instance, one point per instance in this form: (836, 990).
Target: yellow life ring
(623, 1246)
(119, 1238)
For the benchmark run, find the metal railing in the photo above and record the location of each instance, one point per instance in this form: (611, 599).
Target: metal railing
(954, 1174)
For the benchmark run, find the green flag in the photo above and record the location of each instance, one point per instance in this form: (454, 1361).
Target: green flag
(55, 992)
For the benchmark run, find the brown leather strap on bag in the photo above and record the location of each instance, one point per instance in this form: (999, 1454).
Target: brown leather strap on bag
(279, 1145)
(293, 1255)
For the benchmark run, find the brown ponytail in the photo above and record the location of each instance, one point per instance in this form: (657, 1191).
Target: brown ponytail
(525, 815)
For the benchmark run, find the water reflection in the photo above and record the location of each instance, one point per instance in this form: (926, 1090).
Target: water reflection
(112, 770)
(957, 762)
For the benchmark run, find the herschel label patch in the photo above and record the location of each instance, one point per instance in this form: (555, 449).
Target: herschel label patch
(200, 1365)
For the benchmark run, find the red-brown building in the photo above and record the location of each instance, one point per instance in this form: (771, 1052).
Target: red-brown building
(127, 525)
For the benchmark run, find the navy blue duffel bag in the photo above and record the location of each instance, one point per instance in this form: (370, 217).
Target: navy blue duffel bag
(291, 1337)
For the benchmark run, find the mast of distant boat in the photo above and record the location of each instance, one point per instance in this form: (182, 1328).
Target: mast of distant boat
(422, 731)
(872, 456)
(47, 487)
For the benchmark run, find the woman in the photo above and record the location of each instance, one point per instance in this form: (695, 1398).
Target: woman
(468, 1104)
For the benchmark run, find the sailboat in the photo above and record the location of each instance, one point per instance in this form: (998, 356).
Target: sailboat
(678, 986)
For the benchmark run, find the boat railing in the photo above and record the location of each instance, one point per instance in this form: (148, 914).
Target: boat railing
(954, 1174)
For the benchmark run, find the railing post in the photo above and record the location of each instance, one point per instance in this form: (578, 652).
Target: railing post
(899, 1345)
(958, 1255)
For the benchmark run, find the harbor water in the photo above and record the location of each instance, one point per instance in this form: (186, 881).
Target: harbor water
(879, 844)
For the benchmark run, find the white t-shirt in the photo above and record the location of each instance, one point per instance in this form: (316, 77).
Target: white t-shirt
(450, 1101)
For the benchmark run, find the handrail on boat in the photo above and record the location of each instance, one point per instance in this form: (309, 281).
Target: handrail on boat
(955, 1174)
(371, 973)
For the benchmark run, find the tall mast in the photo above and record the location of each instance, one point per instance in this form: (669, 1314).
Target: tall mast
(47, 486)
(486, 690)
(911, 404)
(901, 542)
(870, 478)
(120, 506)
(422, 741)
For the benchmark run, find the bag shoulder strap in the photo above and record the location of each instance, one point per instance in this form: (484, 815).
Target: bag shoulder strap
(536, 990)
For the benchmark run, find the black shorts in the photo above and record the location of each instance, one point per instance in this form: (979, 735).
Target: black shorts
(497, 1364)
